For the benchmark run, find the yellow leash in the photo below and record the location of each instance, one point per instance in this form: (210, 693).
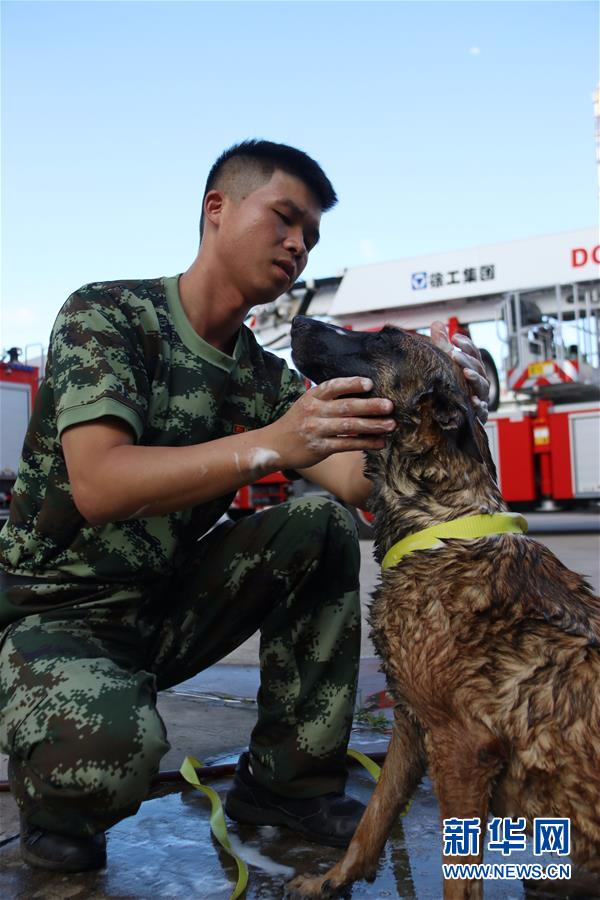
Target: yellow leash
(374, 770)
(467, 528)
(217, 818)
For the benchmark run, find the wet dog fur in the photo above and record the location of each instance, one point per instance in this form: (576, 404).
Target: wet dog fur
(491, 647)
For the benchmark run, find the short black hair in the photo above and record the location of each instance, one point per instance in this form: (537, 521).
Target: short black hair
(264, 157)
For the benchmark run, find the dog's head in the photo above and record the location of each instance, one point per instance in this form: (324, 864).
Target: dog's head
(428, 389)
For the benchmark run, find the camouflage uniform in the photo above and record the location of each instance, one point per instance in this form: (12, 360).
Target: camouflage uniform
(98, 618)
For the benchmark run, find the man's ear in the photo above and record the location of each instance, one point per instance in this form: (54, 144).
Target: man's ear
(454, 415)
(213, 206)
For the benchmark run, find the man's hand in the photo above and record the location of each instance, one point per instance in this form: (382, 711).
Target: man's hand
(466, 354)
(326, 421)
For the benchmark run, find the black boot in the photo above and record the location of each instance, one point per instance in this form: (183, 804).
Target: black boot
(61, 852)
(330, 819)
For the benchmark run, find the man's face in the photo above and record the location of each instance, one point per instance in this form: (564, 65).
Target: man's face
(264, 240)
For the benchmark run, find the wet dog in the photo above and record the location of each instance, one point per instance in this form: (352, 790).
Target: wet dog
(491, 647)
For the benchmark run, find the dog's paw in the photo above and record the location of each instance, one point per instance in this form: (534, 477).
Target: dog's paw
(302, 887)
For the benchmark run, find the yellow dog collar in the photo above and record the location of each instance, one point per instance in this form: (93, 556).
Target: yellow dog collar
(468, 527)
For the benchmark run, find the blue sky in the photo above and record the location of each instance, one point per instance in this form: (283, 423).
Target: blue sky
(441, 124)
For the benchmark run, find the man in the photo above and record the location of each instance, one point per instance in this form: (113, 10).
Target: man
(157, 405)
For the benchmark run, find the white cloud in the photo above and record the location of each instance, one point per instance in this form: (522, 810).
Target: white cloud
(474, 51)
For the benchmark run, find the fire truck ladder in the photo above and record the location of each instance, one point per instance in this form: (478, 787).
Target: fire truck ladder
(553, 342)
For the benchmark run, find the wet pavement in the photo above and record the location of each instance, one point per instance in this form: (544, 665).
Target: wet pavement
(166, 850)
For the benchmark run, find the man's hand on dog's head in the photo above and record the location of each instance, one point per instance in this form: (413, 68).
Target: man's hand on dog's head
(466, 354)
(326, 420)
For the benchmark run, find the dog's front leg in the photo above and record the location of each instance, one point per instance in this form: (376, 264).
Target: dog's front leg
(402, 770)
(464, 762)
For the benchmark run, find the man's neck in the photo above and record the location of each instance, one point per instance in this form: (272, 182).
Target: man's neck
(215, 309)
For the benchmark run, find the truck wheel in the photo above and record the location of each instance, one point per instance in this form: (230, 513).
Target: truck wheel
(492, 376)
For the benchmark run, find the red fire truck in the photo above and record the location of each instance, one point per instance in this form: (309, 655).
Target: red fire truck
(551, 454)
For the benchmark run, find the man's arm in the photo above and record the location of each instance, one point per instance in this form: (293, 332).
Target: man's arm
(342, 475)
(113, 478)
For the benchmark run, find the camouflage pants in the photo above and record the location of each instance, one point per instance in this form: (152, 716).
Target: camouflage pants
(78, 683)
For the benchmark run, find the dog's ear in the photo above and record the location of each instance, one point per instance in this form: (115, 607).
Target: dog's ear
(453, 414)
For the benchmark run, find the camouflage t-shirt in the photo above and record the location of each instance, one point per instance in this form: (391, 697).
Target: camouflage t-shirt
(127, 349)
